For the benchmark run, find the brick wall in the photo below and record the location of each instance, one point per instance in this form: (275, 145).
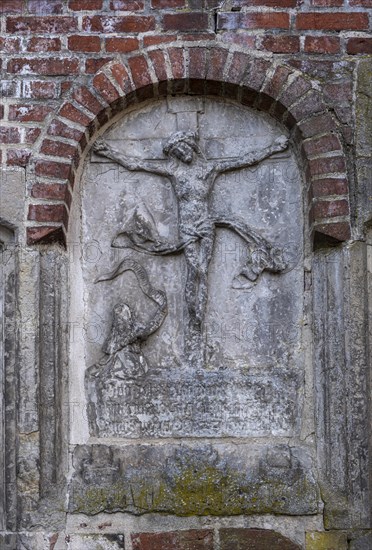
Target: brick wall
(51, 47)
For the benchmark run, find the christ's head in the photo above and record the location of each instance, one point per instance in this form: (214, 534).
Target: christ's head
(182, 145)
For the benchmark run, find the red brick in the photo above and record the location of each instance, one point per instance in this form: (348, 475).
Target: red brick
(181, 540)
(121, 45)
(9, 45)
(105, 88)
(47, 212)
(52, 169)
(332, 21)
(330, 209)
(66, 86)
(242, 39)
(274, 86)
(31, 134)
(45, 235)
(322, 44)
(238, 67)
(44, 45)
(28, 113)
(321, 145)
(359, 45)
(253, 20)
(128, 23)
(41, 25)
(139, 69)
(158, 39)
(94, 65)
(198, 36)
(295, 90)
(158, 62)
(127, 5)
(120, 74)
(281, 44)
(339, 230)
(327, 165)
(330, 186)
(84, 43)
(40, 89)
(9, 135)
(85, 98)
(18, 157)
(339, 91)
(257, 73)
(364, 3)
(45, 8)
(156, 4)
(46, 66)
(259, 539)
(216, 64)
(197, 63)
(58, 149)
(54, 191)
(183, 22)
(177, 61)
(58, 128)
(11, 6)
(72, 113)
(85, 5)
(309, 105)
(317, 125)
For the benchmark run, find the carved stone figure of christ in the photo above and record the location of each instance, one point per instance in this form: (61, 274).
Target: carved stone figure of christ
(192, 177)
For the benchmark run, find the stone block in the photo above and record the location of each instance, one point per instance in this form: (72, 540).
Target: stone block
(254, 539)
(331, 540)
(190, 480)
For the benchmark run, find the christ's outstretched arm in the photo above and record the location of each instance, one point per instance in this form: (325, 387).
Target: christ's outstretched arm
(130, 163)
(280, 144)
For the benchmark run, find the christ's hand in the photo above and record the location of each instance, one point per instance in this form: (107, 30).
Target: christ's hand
(101, 147)
(280, 143)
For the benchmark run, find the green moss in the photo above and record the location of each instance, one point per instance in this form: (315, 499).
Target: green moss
(195, 487)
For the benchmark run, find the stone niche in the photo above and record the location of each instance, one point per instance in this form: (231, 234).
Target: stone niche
(190, 364)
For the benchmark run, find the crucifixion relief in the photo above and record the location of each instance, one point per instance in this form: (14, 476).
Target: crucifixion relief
(196, 314)
(192, 177)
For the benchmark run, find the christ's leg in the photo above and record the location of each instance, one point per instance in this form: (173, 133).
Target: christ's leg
(192, 280)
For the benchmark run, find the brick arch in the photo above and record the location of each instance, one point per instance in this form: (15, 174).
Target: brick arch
(282, 91)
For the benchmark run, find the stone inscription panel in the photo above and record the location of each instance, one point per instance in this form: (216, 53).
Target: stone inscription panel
(181, 404)
(190, 280)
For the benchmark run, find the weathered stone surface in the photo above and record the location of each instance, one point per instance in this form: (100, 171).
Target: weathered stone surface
(333, 540)
(12, 194)
(363, 143)
(180, 540)
(96, 542)
(193, 480)
(204, 198)
(361, 541)
(194, 402)
(254, 539)
(341, 379)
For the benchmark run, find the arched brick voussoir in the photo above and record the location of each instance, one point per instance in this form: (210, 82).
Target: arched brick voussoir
(220, 70)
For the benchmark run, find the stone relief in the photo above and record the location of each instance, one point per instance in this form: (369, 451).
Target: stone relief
(192, 177)
(166, 370)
